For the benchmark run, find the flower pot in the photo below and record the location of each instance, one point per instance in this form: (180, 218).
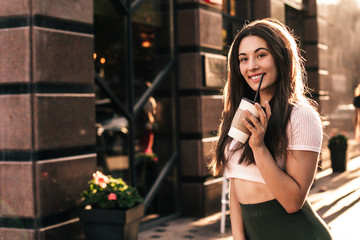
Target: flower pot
(112, 224)
(338, 159)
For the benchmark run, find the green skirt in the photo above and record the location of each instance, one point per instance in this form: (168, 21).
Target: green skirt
(269, 221)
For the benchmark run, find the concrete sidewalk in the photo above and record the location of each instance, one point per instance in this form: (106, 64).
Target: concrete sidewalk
(335, 196)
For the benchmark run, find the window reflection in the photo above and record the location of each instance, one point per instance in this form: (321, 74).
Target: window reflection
(151, 42)
(111, 48)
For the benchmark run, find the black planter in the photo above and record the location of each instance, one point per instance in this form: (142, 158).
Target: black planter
(338, 159)
(112, 224)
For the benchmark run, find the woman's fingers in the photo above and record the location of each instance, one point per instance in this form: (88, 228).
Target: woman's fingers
(263, 119)
(257, 126)
(252, 121)
(249, 126)
(256, 129)
(262, 115)
(267, 109)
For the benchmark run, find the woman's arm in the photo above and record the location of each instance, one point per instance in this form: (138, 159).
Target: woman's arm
(290, 188)
(237, 224)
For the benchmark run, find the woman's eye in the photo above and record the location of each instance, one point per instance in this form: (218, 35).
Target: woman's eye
(242, 59)
(261, 55)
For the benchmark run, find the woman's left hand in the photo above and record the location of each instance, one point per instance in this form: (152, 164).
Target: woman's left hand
(257, 127)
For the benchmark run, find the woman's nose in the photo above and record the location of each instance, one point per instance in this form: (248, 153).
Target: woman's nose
(253, 64)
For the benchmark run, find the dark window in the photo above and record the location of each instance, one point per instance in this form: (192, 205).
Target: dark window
(135, 97)
(295, 21)
(235, 13)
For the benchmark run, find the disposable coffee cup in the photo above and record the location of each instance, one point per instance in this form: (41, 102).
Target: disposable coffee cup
(238, 130)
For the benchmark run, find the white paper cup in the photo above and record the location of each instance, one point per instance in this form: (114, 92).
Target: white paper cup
(238, 130)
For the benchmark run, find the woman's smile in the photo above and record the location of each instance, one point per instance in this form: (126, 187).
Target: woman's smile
(256, 78)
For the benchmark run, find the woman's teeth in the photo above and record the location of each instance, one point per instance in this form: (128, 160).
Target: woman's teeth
(256, 77)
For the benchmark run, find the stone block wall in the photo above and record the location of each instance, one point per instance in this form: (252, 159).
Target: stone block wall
(199, 38)
(47, 133)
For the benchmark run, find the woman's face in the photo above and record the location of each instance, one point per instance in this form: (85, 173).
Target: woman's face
(255, 59)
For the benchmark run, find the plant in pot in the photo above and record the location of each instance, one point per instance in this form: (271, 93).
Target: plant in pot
(338, 146)
(111, 209)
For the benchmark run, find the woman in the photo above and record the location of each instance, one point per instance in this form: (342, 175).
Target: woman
(271, 174)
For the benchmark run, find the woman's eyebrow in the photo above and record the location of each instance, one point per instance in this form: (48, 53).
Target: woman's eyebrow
(258, 49)
(261, 48)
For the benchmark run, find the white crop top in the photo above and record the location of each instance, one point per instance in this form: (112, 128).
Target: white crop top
(304, 132)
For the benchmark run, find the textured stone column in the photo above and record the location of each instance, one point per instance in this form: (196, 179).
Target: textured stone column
(311, 47)
(200, 41)
(47, 136)
(261, 8)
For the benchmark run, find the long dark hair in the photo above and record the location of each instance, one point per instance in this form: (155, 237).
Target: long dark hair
(290, 90)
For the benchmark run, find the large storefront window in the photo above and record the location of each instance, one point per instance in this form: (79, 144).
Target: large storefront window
(135, 97)
(152, 41)
(111, 49)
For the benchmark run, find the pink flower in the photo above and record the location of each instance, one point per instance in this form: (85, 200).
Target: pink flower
(148, 151)
(112, 196)
(101, 179)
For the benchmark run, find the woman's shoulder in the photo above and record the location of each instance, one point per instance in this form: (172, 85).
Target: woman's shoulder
(304, 114)
(305, 129)
(304, 110)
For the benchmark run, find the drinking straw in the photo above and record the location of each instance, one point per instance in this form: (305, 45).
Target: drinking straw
(257, 92)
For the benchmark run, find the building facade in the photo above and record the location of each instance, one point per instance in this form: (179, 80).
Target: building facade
(132, 88)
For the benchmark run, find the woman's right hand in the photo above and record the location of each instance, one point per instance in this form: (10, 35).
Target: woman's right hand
(257, 127)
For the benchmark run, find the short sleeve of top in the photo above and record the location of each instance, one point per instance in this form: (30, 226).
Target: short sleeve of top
(305, 130)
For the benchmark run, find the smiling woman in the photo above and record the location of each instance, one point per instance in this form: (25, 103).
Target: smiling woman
(272, 172)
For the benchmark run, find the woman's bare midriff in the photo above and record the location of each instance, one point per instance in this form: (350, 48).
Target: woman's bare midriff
(249, 192)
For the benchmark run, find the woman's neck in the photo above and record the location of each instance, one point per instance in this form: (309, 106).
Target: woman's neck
(265, 98)
(266, 95)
